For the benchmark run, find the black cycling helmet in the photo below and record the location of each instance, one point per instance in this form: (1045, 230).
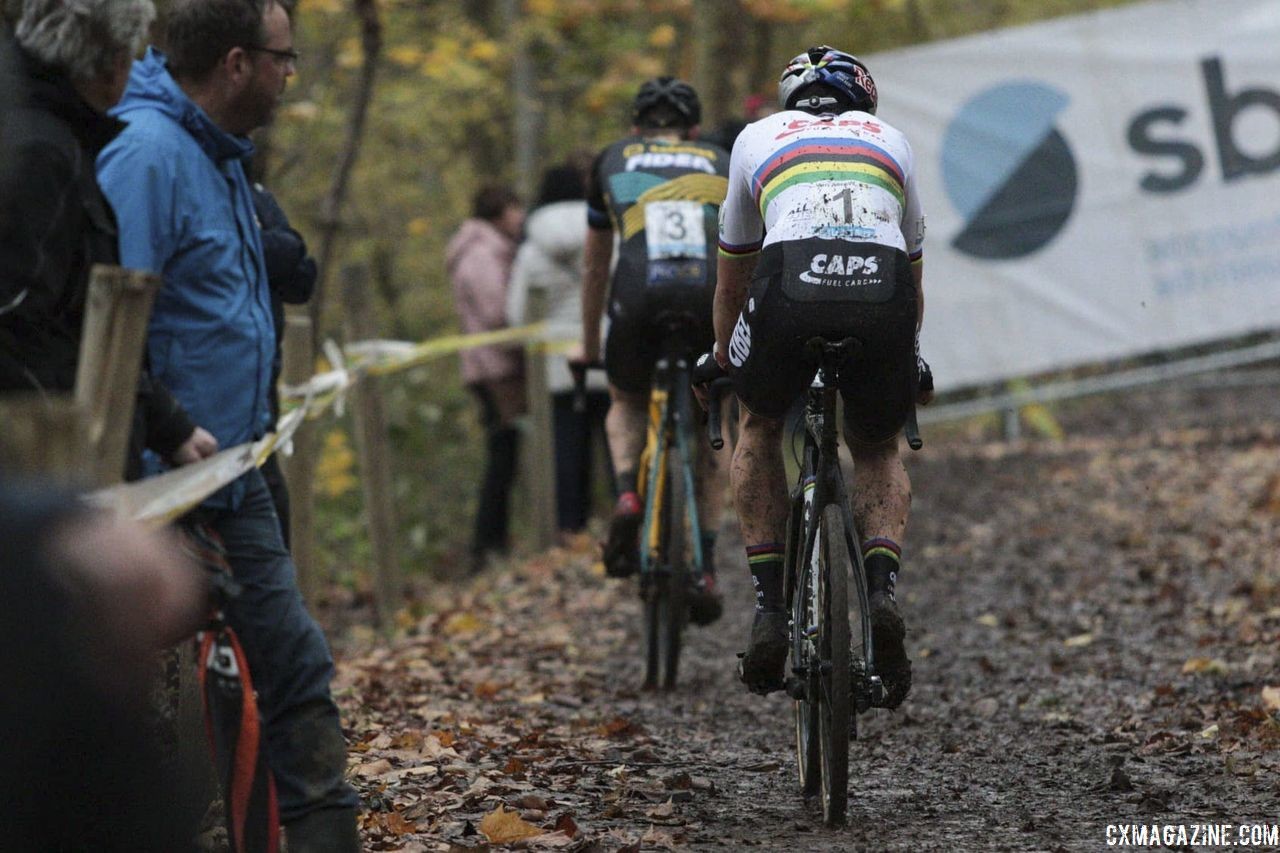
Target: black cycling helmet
(842, 77)
(685, 110)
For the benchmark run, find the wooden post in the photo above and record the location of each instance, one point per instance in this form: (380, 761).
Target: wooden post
(539, 445)
(42, 439)
(299, 469)
(369, 416)
(115, 331)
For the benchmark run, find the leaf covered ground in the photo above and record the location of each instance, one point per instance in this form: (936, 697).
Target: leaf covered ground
(1095, 626)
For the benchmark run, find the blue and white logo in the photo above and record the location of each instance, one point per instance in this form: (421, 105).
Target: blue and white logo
(1009, 171)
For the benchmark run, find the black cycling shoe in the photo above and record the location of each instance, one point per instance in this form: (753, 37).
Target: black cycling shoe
(762, 666)
(621, 546)
(888, 633)
(705, 604)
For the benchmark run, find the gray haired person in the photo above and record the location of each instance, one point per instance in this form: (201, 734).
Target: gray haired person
(66, 65)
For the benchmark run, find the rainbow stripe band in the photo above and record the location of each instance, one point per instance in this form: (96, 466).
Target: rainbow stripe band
(764, 553)
(818, 159)
(729, 250)
(886, 547)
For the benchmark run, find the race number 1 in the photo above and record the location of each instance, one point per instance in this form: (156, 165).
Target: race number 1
(675, 229)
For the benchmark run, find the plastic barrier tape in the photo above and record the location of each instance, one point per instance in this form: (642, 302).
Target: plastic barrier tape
(156, 501)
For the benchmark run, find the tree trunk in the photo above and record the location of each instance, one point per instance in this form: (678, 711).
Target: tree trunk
(524, 85)
(331, 207)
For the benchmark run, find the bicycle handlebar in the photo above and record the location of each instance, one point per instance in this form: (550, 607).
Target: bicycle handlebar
(715, 392)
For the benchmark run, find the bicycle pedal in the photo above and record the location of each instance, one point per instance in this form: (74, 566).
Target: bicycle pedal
(797, 688)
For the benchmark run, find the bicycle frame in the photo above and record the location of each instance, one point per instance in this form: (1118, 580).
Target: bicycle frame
(821, 483)
(669, 428)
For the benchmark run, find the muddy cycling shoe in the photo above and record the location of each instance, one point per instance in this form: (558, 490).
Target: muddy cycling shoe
(761, 667)
(705, 603)
(888, 635)
(622, 546)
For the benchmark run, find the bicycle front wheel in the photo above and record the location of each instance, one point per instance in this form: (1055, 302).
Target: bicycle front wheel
(802, 591)
(835, 716)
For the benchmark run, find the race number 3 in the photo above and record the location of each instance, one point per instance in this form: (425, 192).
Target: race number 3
(675, 229)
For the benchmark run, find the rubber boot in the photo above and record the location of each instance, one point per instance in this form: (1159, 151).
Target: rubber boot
(324, 831)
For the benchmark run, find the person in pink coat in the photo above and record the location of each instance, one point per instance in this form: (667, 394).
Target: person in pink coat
(478, 260)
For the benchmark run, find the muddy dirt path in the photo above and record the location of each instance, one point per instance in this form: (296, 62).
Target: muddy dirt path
(1094, 624)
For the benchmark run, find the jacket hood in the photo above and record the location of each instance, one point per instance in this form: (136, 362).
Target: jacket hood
(559, 230)
(151, 86)
(474, 232)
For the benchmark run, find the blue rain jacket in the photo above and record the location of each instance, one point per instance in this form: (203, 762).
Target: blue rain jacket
(185, 208)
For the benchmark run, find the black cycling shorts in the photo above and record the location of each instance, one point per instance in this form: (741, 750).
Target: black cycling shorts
(836, 290)
(646, 297)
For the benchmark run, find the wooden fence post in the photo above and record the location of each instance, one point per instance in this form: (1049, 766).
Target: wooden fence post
(115, 331)
(370, 419)
(539, 449)
(299, 469)
(42, 438)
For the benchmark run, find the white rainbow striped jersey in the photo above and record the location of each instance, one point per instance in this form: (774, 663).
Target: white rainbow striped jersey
(796, 176)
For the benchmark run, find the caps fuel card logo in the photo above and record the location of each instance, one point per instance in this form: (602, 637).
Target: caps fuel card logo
(1009, 171)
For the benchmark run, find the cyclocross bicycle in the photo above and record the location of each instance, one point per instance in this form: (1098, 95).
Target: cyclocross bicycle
(671, 557)
(833, 675)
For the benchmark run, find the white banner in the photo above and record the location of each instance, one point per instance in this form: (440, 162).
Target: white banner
(1095, 186)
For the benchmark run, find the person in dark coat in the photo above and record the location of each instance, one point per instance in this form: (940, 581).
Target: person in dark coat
(80, 768)
(61, 72)
(291, 276)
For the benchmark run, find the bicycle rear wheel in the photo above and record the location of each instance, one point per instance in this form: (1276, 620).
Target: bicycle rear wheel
(666, 603)
(835, 717)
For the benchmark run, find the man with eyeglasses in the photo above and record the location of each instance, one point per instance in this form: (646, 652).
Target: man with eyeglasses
(176, 178)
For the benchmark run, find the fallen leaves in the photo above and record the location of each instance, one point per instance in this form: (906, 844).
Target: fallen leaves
(1205, 666)
(503, 827)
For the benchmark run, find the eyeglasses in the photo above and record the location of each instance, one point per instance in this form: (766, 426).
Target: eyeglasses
(289, 55)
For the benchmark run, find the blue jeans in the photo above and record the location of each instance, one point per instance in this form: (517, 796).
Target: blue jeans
(288, 658)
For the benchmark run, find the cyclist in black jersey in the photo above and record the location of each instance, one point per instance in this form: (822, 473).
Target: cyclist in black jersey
(821, 235)
(656, 194)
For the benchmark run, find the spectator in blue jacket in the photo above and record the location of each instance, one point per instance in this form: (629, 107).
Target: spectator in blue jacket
(176, 178)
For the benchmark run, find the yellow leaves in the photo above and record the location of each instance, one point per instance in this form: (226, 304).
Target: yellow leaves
(334, 477)
(543, 8)
(1205, 666)
(1078, 640)
(504, 827)
(484, 50)
(327, 7)
(350, 54)
(301, 111)
(1271, 698)
(419, 226)
(662, 36)
(462, 624)
(988, 619)
(407, 55)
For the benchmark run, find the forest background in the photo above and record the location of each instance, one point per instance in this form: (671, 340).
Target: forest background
(466, 92)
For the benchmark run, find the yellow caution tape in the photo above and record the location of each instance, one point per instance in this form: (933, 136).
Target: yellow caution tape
(160, 500)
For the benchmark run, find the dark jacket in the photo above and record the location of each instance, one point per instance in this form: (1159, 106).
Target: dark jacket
(55, 225)
(291, 272)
